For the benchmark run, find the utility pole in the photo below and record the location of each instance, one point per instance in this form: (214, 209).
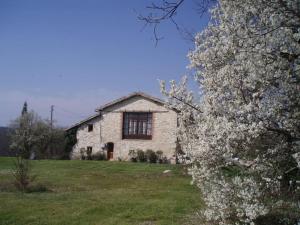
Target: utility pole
(51, 117)
(51, 129)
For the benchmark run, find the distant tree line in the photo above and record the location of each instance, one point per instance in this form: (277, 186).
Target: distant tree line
(5, 142)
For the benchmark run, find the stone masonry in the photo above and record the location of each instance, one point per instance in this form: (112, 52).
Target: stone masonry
(107, 127)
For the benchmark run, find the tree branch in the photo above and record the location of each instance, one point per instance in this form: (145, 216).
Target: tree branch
(186, 103)
(283, 132)
(166, 11)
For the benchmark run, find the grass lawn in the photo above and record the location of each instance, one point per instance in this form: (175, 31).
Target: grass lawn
(98, 193)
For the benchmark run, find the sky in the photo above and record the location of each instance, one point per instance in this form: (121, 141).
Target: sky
(80, 54)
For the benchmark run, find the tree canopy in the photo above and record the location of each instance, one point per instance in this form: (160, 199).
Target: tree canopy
(243, 135)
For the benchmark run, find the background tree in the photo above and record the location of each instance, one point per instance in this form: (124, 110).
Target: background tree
(243, 135)
(5, 142)
(69, 141)
(32, 136)
(24, 110)
(43, 139)
(23, 139)
(24, 134)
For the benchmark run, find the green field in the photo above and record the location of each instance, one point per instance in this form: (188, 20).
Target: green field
(98, 193)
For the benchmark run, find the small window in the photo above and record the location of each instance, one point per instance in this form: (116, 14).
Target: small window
(90, 127)
(89, 149)
(137, 125)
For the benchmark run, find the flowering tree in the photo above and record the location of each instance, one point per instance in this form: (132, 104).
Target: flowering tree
(243, 134)
(32, 136)
(28, 132)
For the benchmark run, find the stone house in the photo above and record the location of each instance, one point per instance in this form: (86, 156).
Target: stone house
(136, 121)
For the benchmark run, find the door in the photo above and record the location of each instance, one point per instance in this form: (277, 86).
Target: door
(110, 150)
(110, 155)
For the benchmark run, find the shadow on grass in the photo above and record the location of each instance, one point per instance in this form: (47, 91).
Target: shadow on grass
(34, 188)
(39, 188)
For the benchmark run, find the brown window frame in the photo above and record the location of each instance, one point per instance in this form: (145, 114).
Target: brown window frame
(137, 125)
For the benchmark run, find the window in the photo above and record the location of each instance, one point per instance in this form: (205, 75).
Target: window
(137, 125)
(90, 127)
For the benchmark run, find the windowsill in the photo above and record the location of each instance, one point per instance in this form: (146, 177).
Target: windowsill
(137, 138)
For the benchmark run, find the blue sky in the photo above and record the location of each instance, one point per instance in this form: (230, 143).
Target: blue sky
(79, 54)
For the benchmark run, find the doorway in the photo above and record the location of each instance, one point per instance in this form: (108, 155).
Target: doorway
(110, 150)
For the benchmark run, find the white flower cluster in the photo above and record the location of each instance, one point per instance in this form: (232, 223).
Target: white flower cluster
(242, 133)
(238, 199)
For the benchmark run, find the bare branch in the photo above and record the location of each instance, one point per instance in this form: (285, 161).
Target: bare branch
(186, 103)
(203, 6)
(283, 132)
(166, 11)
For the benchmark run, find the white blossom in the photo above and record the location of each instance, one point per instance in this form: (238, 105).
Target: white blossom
(243, 132)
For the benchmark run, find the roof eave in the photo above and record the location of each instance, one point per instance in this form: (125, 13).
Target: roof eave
(119, 100)
(83, 121)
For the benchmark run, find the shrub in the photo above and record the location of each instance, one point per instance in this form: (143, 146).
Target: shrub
(82, 154)
(22, 174)
(99, 156)
(89, 154)
(75, 155)
(151, 156)
(159, 155)
(133, 155)
(165, 160)
(141, 156)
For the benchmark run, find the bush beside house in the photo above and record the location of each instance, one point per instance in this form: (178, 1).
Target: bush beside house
(149, 156)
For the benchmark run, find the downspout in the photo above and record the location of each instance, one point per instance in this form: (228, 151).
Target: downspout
(100, 130)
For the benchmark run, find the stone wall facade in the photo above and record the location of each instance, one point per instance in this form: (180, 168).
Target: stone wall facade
(107, 127)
